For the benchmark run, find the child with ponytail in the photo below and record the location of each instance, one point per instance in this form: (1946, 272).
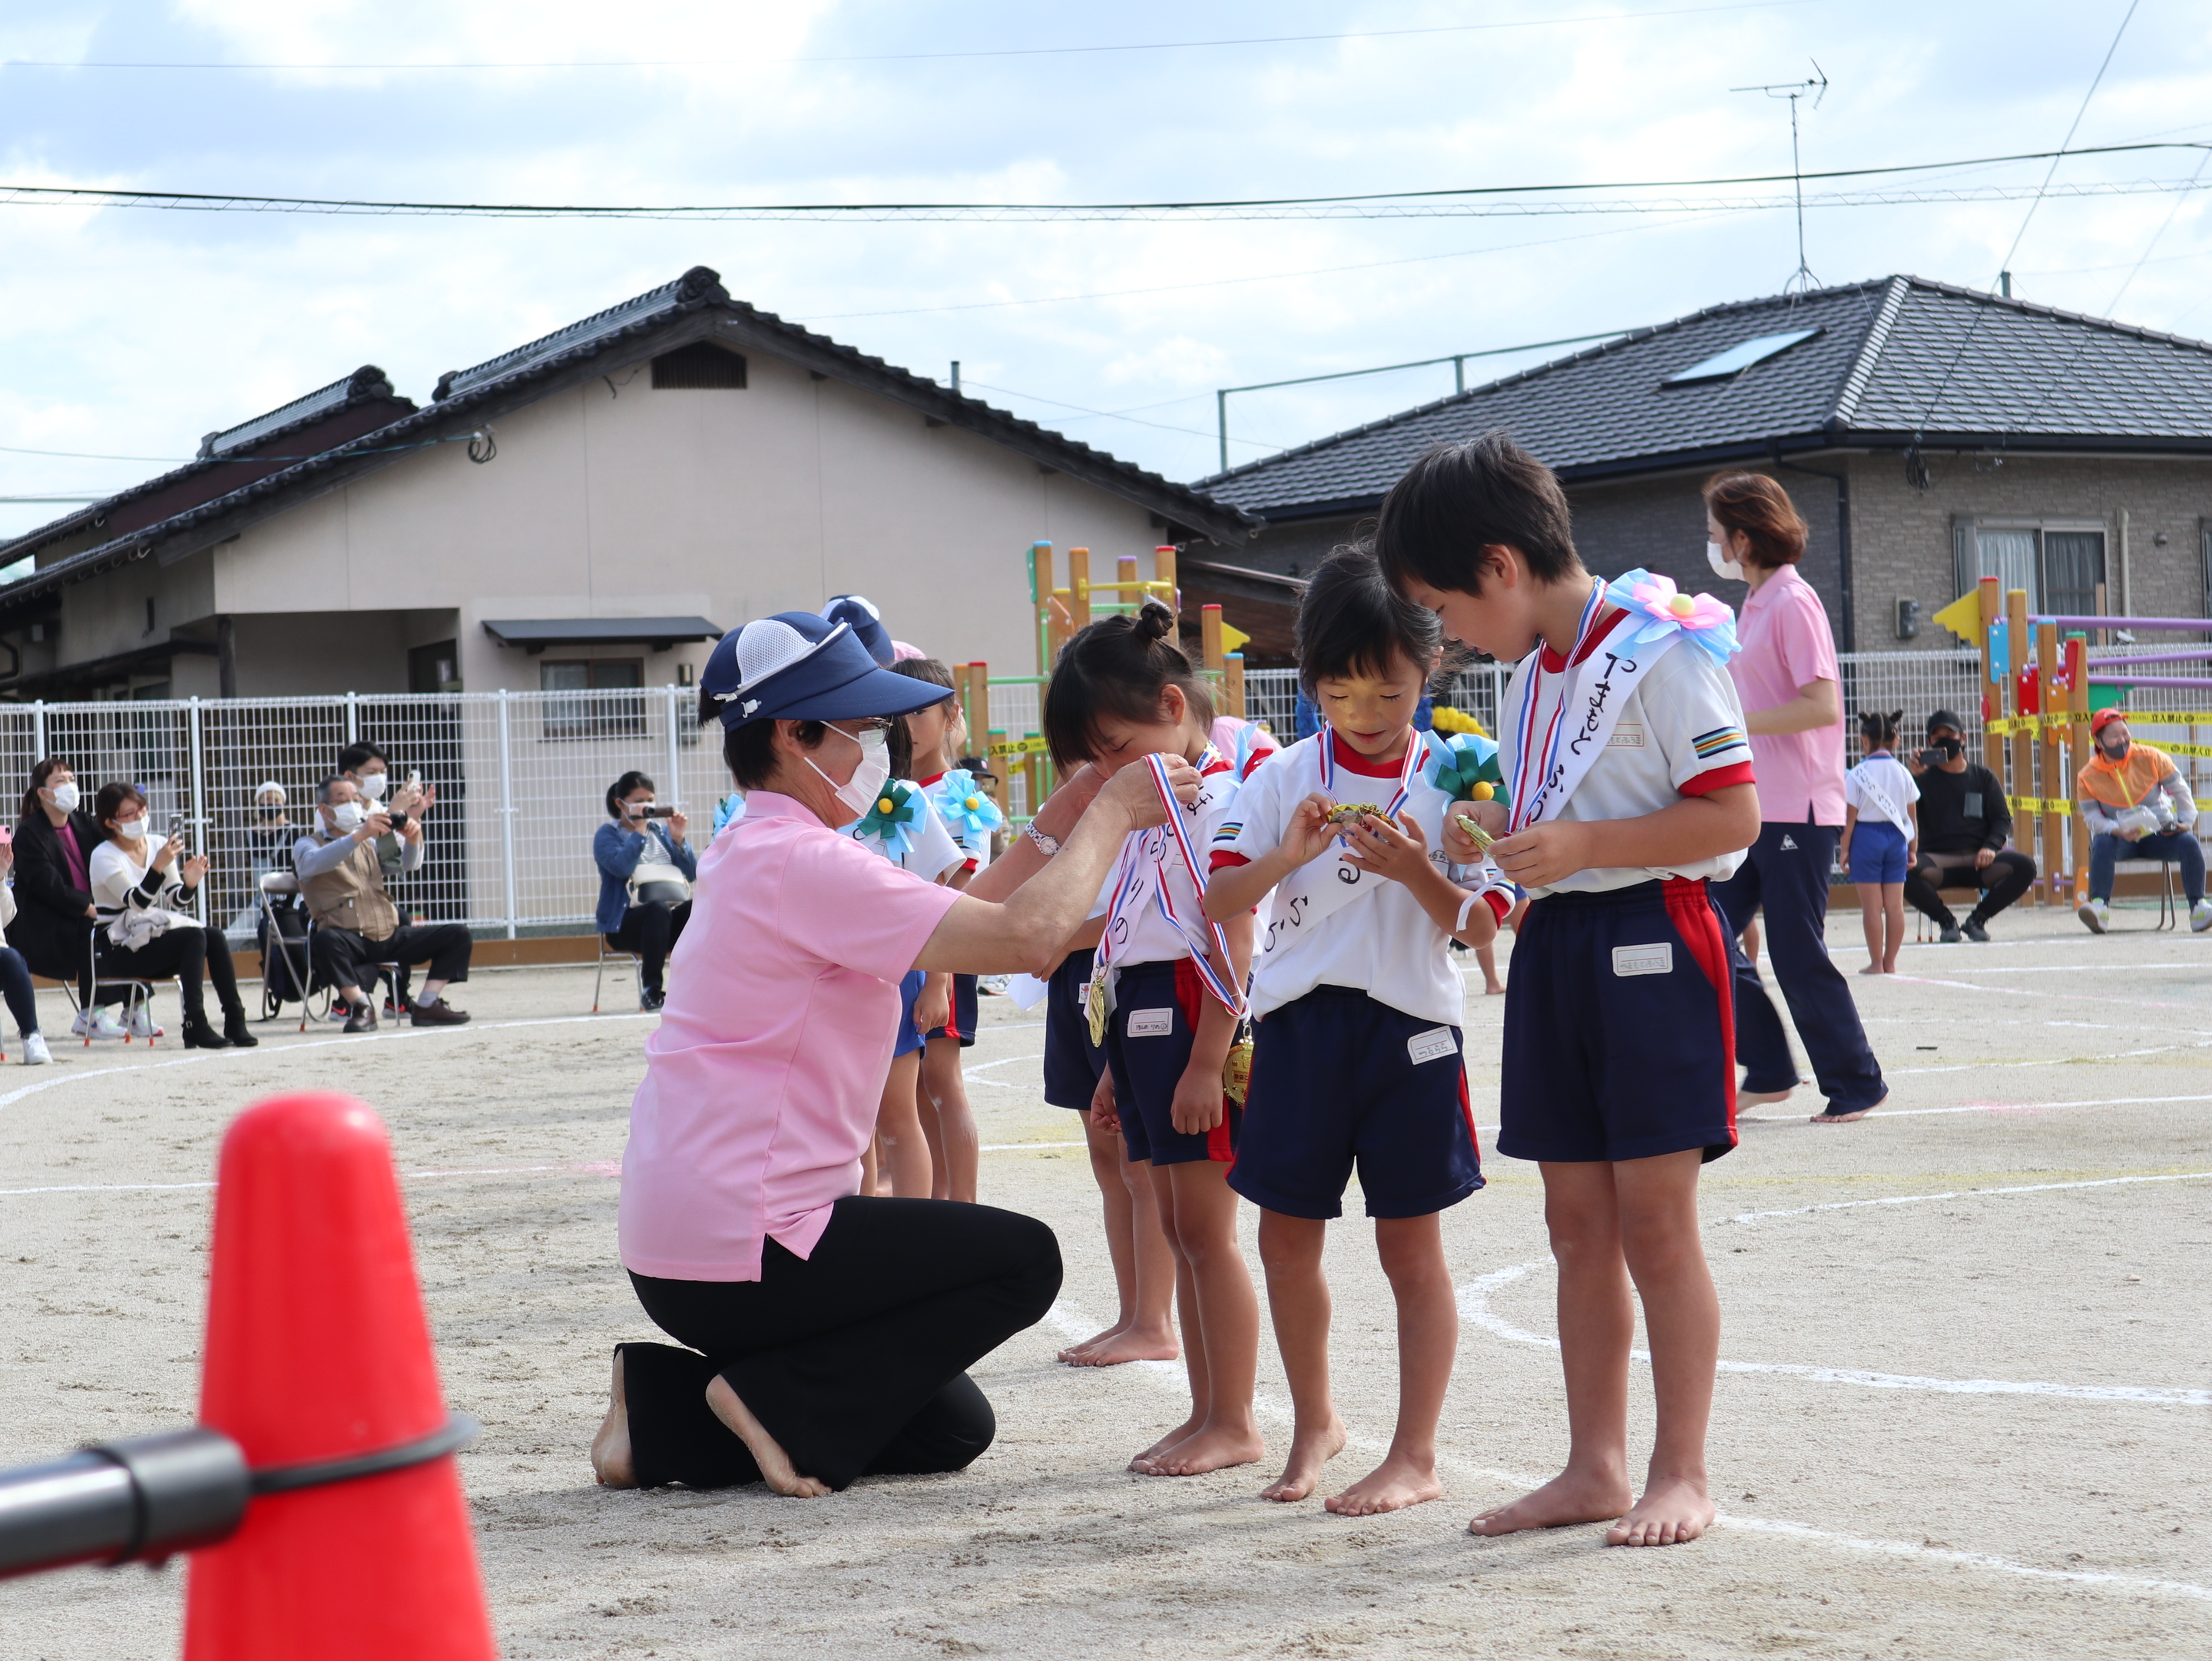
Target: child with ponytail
(1881, 839)
(1165, 999)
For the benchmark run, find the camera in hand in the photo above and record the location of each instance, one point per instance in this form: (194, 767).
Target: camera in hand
(398, 821)
(657, 812)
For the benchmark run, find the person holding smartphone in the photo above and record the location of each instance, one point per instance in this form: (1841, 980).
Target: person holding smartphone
(1965, 823)
(141, 891)
(645, 871)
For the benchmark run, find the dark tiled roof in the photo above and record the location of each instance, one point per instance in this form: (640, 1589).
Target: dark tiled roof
(366, 381)
(463, 397)
(1896, 361)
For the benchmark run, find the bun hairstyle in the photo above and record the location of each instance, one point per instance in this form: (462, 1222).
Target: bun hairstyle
(1755, 505)
(1118, 668)
(1879, 732)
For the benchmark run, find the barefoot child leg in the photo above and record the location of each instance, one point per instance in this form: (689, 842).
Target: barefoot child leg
(904, 1172)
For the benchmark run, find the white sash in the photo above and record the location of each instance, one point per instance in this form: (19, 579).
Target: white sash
(1553, 738)
(1867, 786)
(1321, 887)
(1140, 881)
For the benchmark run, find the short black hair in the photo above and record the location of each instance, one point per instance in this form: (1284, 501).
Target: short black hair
(900, 740)
(1119, 666)
(1352, 622)
(355, 756)
(621, 787)
(1457, 499)
(749, 750)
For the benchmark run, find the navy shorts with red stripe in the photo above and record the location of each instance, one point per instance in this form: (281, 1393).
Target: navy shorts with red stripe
(910, 985)
(1163, 1000)
(960, 1020)
(1335, 1083)
(1619, 1032)
(1072, 1062)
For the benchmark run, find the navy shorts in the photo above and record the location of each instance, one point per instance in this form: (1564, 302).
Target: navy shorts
(1163, 1000)
(960, 1021)
(1339, 1078)
(909, 989)
(1877, 852)
(1619, 1032)
(1072, 1062)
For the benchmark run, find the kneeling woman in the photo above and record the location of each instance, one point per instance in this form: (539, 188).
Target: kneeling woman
(139, 899)
(827, 1336)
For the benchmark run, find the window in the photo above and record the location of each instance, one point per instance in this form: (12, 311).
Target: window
(702, 366)
(585, 698)
(2060, 567)
(1739, 357)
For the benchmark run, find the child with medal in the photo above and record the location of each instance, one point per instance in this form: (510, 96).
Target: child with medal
(1165, 1000)
(1629, 787)
(1356, 1007)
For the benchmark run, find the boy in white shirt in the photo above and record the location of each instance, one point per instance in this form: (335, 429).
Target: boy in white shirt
(1629, 786)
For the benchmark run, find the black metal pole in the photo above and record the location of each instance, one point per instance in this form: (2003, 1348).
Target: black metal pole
(144, 1498)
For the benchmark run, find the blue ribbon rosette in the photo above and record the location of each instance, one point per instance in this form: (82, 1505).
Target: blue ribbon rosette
(894, 818)
(1660, 609)
(965, 806)
(1465, 767)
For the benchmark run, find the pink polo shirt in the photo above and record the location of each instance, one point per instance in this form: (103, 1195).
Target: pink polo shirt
(1784, 631)
(762, 1084)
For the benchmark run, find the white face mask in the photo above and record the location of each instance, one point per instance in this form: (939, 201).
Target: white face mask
(347, 817)
(859, 792)
(1717, 557)
(134, 828)
(372, 786)
(65, 797)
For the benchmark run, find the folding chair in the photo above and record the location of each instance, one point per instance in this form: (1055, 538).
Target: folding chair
(600, 973)
(280, 892)
(2169, 908)
(138, 990)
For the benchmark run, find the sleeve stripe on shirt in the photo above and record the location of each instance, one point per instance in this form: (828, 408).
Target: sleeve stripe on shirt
(1716, 778)
(1222, 860)
(1707, 744)
(1227, 832)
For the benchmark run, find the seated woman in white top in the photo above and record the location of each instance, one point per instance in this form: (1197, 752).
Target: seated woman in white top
(144, 932)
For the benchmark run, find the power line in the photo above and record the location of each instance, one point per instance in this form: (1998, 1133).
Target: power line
(927, 57)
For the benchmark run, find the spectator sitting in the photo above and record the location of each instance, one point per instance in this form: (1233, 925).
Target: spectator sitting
(645, 879)
(54, 920)
(356, 925)
(141, 888)
(1964, 824)
(15, 974)
(2138, 807)
(370, 767)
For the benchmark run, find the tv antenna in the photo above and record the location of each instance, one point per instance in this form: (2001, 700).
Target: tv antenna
(1815, 87)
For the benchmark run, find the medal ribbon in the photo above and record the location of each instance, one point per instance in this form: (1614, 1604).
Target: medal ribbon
(1229, 996)
(1524, 720)
(1417, 746)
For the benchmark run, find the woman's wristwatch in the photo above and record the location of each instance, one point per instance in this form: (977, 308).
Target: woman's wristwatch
(1049, 845)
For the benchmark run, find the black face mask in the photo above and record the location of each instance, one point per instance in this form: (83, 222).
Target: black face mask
(1942, 750)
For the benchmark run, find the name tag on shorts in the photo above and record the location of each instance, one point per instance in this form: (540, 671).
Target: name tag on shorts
(1628, 735)
(1432, 1045)
(1657, 959)
(1151, 1023)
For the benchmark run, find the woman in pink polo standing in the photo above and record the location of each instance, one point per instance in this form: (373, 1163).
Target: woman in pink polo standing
(1786, 675)
(826, 1336)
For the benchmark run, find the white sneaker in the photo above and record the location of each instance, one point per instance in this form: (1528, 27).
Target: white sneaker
(143, 1026)
(96, 1023)
(2094, 915)
(2200, 916)
(35, 1053)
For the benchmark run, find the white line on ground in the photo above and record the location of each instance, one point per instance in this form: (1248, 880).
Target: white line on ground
(1963, 1194)
(1986, 1107)
(1024, 1147)
(572, 1170)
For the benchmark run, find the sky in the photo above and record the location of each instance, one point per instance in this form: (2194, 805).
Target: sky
(125, 334)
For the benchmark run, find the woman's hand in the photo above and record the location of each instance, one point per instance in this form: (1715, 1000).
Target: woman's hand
(1129, 793)
(1197, 1106)
(165, 854)
(1398, 851)
(195, 867)
(7, 857)
(1459, 847)
(1103, 1113)
(678, 822)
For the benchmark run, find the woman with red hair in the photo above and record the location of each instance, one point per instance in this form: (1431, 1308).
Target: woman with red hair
(1793, 709)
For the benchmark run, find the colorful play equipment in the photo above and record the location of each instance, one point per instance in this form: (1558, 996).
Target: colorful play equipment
(317, 1494)
(2038, 683)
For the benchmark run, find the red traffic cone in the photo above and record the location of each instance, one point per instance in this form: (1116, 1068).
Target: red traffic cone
(317, 1350)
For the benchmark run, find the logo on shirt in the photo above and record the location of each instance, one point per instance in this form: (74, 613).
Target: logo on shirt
(1789, 844)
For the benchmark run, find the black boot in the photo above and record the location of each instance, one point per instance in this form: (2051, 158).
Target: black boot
(198, 1035)
(236, 1032)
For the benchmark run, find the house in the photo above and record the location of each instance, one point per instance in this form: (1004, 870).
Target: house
(1929, 434)
(591, 509)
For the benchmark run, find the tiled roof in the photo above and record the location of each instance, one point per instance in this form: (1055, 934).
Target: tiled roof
(1897, 362)
(366, 381)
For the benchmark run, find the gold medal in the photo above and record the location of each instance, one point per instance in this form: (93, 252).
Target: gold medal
(1475, 834)
(1095, 999)
(1237, 1071)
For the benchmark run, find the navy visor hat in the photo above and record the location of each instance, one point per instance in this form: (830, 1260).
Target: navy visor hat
(798, 666)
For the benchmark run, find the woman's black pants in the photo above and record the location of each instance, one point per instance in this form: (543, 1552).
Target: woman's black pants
(188, 953)
(854, 1358)
(650, 928)
(16, 983)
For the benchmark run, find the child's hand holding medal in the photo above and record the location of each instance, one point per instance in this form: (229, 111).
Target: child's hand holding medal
(1393, 848)
(1471, 828)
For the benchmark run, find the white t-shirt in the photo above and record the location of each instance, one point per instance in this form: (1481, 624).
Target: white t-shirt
(1680, 734)
(1150, 937)
(1381, 943)
(930, 851)
(1887, 776)
(974, 857)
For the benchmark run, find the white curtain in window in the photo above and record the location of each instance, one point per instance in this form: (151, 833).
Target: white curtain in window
(2010, 557)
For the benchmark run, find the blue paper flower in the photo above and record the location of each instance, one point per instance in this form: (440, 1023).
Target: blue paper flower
(1464, 767)
(1661, 609)
(965, 806)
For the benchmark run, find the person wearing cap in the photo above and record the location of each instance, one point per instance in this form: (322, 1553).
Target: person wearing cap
(825, 1337)
(2138, 807)
(1965, 823)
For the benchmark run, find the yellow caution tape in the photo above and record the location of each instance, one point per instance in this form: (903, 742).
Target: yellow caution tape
(2040, 804)
(2168, 718)
(1035, 747)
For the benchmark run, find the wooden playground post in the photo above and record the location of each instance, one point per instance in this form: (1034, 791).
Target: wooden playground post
(1079, 589)
(1209, 638)
(1125, 576)
(2077, 734)
(2047, 669)
(974, 681)
(1992, 693)
(1041, 599)
(2023, 746)
(1232, 685)
(1164, 570)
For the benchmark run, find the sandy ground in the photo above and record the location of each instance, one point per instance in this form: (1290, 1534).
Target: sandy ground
(1965, 1411)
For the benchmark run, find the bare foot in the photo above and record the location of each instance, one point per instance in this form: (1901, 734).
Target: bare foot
(1130, 1346)
(1761, 1097)
(1568, 1498)
(1212, 1448)
(1494, 989)
(1142, 1464)
(1400, 1480)
(1672, 1513)
(1838, 1118)
(1072, 1351)
(610, 1455)
(775, 1467)
(1302, 1470)
(1874, 969)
